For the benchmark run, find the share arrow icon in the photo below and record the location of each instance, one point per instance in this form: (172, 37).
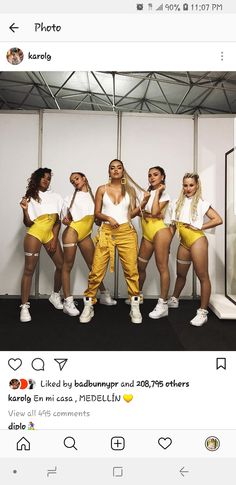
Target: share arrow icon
(61, 362)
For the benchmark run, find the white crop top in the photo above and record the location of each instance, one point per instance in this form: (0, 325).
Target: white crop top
(164, 198)
(119, 212)
(185, 214)
(83, 205)
(50, 203)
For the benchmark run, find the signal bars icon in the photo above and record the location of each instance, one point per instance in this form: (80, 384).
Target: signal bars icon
(160, 7)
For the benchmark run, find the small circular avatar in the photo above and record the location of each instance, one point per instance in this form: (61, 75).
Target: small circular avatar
(15, 56)
(212, 443)
(14, 384)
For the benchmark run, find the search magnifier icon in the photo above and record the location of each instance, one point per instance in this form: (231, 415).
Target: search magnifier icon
(69, 442)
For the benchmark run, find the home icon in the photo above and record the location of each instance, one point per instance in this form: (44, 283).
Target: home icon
(23, 445)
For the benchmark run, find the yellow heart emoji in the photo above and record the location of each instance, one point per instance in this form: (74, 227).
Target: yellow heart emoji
(128, 397)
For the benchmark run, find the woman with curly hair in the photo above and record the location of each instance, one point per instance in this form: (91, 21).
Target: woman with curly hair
(41, 215)
(188, 216)
(115, 206)
(78, 211)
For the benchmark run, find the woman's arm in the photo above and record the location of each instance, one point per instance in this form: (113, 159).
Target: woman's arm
(157, 206)
(26, 218)
(215, 219)
(98, 207)
(137, 211)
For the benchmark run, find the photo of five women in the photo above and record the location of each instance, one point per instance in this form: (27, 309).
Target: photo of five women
(114, 206)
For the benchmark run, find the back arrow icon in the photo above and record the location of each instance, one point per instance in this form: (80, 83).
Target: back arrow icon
(183, 471)
(13, 27)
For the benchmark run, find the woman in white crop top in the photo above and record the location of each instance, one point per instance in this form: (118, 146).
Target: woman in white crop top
(188, 216)
(78, 212)
(41, 214)
(156, 238)
(115, 205)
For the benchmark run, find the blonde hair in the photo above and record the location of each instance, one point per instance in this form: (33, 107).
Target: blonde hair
(197, 196)
(75, 192)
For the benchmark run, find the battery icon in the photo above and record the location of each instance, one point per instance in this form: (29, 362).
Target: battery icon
(185, 7)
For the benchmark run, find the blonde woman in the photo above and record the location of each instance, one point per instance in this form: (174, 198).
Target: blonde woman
(115, 205)
(188, 215)
(79, 219)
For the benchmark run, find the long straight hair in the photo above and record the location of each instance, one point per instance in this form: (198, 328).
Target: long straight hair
(126, 185)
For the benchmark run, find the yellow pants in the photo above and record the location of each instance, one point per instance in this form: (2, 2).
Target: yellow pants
(42, 228)
(151, 226)
(83, 227)
(188, 236)
(124, 238)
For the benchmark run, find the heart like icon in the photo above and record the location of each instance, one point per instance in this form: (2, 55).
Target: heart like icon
(164, 442)
(15, 363)
(128, 397)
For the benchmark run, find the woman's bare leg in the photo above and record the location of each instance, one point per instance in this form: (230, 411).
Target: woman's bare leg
(199, 254)
(57, 259)
(182, 264)
(162, 241)
(69, 237)
(145, 252)
(32, 248)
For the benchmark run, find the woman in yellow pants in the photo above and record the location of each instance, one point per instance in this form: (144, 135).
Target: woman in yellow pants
(115, 205)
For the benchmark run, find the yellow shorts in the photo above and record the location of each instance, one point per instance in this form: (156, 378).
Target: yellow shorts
(42, 227)
(151, 226)
(188, 236)
(83, 227)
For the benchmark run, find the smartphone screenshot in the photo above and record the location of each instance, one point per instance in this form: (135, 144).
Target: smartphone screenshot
(117, 268)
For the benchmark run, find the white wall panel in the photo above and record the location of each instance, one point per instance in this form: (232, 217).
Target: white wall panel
(18, 159)
(149, 140)
(82, 141)
(215, 138)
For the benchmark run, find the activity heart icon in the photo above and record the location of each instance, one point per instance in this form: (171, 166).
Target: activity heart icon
(164, 442)
(15, 363)
(128, 397)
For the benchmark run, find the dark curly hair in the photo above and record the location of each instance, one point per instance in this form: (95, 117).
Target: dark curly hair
(32, 189)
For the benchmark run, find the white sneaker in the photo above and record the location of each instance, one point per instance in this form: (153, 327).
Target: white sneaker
(24, 312)
(106, 299)
(128, 301)
(88, 311)
(160, 310)
(135, 314)
(173, 302)
(200, 318)
(69, 307)
(55, 300)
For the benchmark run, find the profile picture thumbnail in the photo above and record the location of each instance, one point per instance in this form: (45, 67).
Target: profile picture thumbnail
(15, 56)
(212, 443)
(14, 384)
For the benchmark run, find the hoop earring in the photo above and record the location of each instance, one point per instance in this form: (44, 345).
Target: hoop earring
(123, 181)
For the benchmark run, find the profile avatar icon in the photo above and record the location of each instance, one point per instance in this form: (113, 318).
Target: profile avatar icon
(15, 56)
(31, 384)
(212, 443)
(14, 384)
